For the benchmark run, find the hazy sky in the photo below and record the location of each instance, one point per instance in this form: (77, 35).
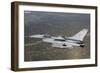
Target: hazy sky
(37, 22)
(58, 24)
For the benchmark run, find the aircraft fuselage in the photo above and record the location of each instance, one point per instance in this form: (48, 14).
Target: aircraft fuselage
(62, 43)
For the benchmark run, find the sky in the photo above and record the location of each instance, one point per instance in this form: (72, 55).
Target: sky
(54, 24)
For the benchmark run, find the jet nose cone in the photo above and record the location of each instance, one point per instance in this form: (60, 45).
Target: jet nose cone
(36, 36)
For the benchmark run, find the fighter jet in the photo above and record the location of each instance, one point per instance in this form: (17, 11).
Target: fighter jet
(62, 41)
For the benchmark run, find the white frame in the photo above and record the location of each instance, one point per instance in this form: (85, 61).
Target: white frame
(34, 64)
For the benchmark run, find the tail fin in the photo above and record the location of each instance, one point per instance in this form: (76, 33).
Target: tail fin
(80, 35)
